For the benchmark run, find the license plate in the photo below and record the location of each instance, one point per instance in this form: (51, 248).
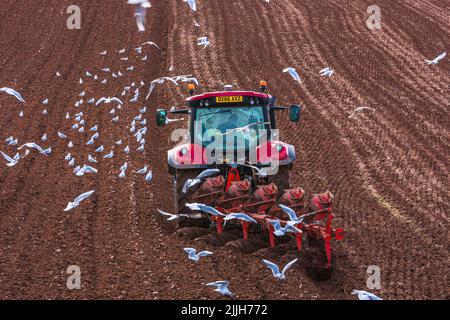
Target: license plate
(229, 99)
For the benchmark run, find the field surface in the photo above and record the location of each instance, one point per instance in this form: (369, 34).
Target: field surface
(388, 168)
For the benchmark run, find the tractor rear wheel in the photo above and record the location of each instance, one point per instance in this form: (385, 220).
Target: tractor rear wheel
(180, 198)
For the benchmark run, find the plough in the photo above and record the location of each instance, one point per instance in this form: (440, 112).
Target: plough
(246, 119)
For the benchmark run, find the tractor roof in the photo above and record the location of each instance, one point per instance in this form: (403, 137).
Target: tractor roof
(228, 93)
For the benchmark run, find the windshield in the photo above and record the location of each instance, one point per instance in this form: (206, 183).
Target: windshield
(247, 123)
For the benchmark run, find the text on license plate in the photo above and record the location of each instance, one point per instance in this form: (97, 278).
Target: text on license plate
(229, 99)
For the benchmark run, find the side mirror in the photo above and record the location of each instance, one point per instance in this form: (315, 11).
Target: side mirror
(294, 113)
(161, 117)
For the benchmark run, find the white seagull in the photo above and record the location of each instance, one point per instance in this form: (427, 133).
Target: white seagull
(151, 43)
(203, 41)
(108, 100)
(364, 295)
(192, 4)
(189, 183)
(204, 208)
(359, 109)
(276, 271)
(239, 216)
(171, 216)
(293, 74)
(140, 12)
(437, 59)
(78, 199)
(11, 161)
(222, 287)
(194, 256)
(33, 145)
(13, 93)
(326, 72)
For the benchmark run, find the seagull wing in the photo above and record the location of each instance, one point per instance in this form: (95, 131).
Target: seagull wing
(204, 253)
(152, 44)
(218, 283)
(189, 250)
(100, 101)
(204, 208)
(169, 215)
(207, 173)
(7, 158)
(83, 196)
(272, 266)
(186, 185)
(140, 18)
(243, 216)
(117, 100)
(193, 5)
(441, 56)
(291, 213)
(286, 267)
(13, 92)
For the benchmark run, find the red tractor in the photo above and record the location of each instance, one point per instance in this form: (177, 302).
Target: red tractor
(232, 171)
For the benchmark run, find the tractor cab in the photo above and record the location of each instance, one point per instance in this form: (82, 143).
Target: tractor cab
(229, 121)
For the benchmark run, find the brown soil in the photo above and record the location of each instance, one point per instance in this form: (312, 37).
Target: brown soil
(388, 169)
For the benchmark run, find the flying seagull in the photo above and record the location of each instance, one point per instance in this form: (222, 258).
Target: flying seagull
(437, 59)
(149, 176)
(171, 216)
(11, 161)
(78, 199)
(13, 93)
(140, 12)
(203, 41)
(192, 4)
(151, 43)
(364, 295)
(62, 135)
(86, 169)
(359, 109)
(280, 231)
(194, 256)
(189, 183)
(222, 287)
(33, 145)
(204, 208)
(291, 213)
(109, 155)
(109, 100)
(143, 170)
(276, 271)
(293, 74)
(239, 216)
(326, 72)
(159, 81)
(187, 78)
